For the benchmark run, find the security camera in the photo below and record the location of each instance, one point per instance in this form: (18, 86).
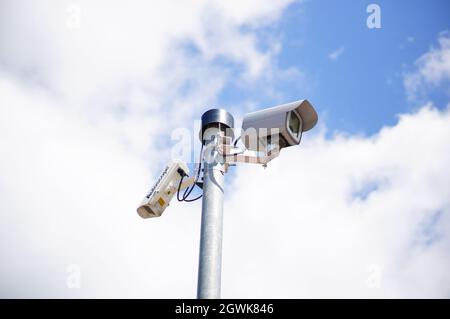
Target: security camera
(282, 125)
(166, 186)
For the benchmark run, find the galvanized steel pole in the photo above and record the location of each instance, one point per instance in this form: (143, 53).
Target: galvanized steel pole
(210, 260)
(210, 257)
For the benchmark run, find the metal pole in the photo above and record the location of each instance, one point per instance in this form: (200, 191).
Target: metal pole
(210, 259)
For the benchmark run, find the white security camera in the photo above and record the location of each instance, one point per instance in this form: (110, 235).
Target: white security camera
(282, 125)
(166, 186)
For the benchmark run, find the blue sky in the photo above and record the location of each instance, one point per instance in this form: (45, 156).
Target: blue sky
(363, 90)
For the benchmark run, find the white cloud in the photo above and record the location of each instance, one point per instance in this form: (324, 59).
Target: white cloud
(82, 113)
(86, 111)
(311, 225)
(314, 223)
(127, 65)
(431, 69)
(336, 54)
(119, 46)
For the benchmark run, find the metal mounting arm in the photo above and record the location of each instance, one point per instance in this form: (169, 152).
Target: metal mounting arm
(225, 149)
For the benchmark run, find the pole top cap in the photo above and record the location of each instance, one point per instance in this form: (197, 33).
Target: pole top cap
(219, 118)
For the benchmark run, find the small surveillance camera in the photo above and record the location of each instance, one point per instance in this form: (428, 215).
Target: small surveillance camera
(166, 186)
(282, 125)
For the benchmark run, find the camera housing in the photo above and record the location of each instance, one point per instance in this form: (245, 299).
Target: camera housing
(280, 125)
(166, 186)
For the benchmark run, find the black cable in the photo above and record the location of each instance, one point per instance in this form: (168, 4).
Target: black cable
(194, 199)
(188, 190)
(185, 196)
(236, 141)
(179, 188)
